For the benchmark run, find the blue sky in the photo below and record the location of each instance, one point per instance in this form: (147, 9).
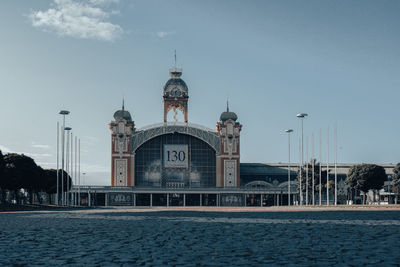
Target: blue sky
(338, 61)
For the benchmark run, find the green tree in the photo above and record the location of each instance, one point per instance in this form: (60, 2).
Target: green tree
(396, 179)
(50, 181)
(20, 172)
(365, 177)
(396, 175)
(2, 178)
(316, 179)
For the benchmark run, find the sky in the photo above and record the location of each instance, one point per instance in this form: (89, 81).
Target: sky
(338, 61)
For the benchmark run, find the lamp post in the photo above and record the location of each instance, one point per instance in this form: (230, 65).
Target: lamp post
(335, 140)
(320, 167)
(58, 154)
(67, 129)
(63, 113)
(327, 167)
(289, 131)
(302, 116)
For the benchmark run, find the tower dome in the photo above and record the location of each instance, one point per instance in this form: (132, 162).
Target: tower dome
(175, 86)
(123, 114)
(228, 115)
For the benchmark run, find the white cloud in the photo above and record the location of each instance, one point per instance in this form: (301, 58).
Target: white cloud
(79, 19)
(103, 2)
(4, 149)
(36, 155)
(94, 168)
(35, 145)
(89, 141)
(33, 155)
(164, 34)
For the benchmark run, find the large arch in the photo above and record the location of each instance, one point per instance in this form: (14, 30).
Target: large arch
(145, 134)
(153, 167)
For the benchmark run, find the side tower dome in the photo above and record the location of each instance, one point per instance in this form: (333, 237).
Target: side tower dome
(228, 115)
(122, 114)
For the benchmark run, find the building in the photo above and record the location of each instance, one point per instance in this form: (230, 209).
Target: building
(181, 163)
(175, 155)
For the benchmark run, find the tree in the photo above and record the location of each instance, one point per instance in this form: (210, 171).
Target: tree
(365, 177)
(2, 165)
(396, 175)
(316, 179)
(396, 179)
(2, 177)
(50, 181)
(20, 172)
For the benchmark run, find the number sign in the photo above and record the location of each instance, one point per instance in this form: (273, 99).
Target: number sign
(176, 156)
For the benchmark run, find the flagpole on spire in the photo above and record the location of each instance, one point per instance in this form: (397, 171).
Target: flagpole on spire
(227, 105)
(123, 103)
(175, 57)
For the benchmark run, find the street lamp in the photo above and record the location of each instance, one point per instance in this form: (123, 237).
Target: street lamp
(67, 152)
(63, 113)
(289, 131)
(301, 116)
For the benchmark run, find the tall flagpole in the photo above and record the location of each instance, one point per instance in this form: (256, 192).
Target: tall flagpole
(289, 171)
(320, 167)
(67, 169)
(62, 162)
(63, 113)
(75, 181)
(302, 116)
(58, 134)
(79, 172)
(335, 164)
(327, 168)
(307, 171)
(312, 176)
(72, 167)
(289, 131)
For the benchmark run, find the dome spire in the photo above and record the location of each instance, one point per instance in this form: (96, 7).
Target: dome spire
(175, 58)
(228, 115)
(122, 113)
(175, 72)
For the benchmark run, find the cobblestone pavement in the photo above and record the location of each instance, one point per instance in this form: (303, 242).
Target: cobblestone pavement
(124, 237)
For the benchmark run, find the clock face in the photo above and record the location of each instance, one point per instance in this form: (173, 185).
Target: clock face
(175, 92)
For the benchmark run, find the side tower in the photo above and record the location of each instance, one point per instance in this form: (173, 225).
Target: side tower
(122, 162)
(228, 160)
(175, 94)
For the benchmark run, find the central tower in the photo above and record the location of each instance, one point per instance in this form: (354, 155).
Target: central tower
(175, 94)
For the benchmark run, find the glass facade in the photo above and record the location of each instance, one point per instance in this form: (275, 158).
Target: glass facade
(151, 168)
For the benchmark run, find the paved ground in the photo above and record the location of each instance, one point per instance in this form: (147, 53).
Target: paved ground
(201, 236)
